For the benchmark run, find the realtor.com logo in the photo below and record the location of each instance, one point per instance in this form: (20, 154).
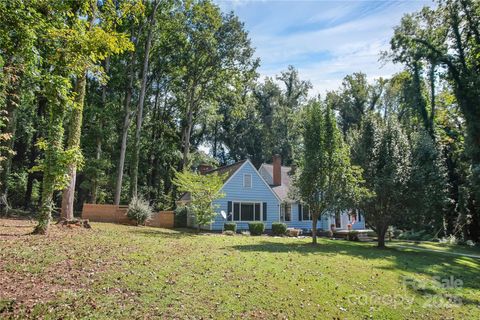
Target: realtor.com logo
(431, 293)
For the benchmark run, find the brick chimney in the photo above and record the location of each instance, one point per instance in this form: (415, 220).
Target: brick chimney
(203, 168)
(277, 170)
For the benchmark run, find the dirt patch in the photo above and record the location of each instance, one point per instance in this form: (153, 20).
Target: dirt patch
(23, 287)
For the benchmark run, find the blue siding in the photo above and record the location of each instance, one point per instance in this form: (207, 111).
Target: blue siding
(324, 223)
(235, 191)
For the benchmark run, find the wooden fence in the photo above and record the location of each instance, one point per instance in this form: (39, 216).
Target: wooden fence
(117, 214)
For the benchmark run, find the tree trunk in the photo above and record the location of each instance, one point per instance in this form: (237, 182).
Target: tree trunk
(187, 132)
(141, 102)
(314, 228)
(99, 140)
(54, 140)
(126, 125)
(74, 143)
(382, 231)
(68, 195)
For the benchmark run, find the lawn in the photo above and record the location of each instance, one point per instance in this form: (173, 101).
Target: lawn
(443, 247)
(124, 272)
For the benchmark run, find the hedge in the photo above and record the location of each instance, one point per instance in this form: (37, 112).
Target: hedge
(256, 228)
(279, 228)
(230, 226)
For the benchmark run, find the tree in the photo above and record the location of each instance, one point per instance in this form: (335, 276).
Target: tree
(208, 53)
(427, 185)
(87, 43)
(449, 36)
(141, 100)
(325, 179)
(380, 148)
(203, 190)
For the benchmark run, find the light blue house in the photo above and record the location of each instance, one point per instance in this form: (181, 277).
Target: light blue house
(263, 195)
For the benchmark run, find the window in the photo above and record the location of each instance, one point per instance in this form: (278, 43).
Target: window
(306, 213)
(247, 211)
(286, 212)
(247, 180)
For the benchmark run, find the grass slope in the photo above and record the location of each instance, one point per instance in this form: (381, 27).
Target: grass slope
(124, 272)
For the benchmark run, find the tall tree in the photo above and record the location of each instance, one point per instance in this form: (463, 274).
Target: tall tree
(141, 100)
(381, 148)
(90, 43)
(325, 180)
(449, 36)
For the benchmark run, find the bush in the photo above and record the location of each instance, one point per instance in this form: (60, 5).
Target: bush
(352, 235)
(139, 210)
(230, 226)
(279, 228)
(450, 240)
(256, 228)
(180, 219)
(421, 235)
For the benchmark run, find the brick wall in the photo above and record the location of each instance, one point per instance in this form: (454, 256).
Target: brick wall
(117, 214)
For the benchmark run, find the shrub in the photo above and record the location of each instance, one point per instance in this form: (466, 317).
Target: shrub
(181, 216)
(279, 228)
(352, 235)
(229, 233)
(470, 243)
(421, 235)
(139, 210)
(256, 228)
(230, 226)
(451, 240)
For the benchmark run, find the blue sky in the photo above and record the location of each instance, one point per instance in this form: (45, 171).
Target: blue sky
(325, 40)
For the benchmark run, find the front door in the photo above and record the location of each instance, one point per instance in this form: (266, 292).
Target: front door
(338, 220)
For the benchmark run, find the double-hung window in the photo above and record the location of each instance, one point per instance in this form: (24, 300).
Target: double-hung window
(286, 213)
(247, 211)
(306, 216)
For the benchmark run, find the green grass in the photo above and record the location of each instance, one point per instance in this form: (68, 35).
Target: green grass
(443, 247)
(127, 272)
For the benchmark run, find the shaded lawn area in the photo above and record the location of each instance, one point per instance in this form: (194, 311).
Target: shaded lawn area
(444, 247)
(124, 272)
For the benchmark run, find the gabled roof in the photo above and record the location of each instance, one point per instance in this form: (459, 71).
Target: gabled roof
(266, 171)
(228, 171)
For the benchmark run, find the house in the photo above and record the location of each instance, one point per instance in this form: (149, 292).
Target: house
(263, 195)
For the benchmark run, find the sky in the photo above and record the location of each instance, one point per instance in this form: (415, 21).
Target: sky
(324, 40)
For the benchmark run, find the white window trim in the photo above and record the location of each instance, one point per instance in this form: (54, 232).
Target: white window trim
(240, 210)
(309, 214)
(283, 208)
(251, 180)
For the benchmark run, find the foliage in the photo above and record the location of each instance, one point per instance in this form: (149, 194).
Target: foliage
(325, 180)
(279, 228)
(381, 148)
(203, 190)
(256, 228)
(139, 210)
(230, 226)
(181, 217)
(422, 235)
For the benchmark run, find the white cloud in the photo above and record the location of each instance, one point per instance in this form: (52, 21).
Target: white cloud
(324, 40)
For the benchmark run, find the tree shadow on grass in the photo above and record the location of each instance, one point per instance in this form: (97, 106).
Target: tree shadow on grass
(163, 233)
(428, 264)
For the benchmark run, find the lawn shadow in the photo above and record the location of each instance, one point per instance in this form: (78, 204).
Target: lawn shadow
(427, 264)
(164, 233)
